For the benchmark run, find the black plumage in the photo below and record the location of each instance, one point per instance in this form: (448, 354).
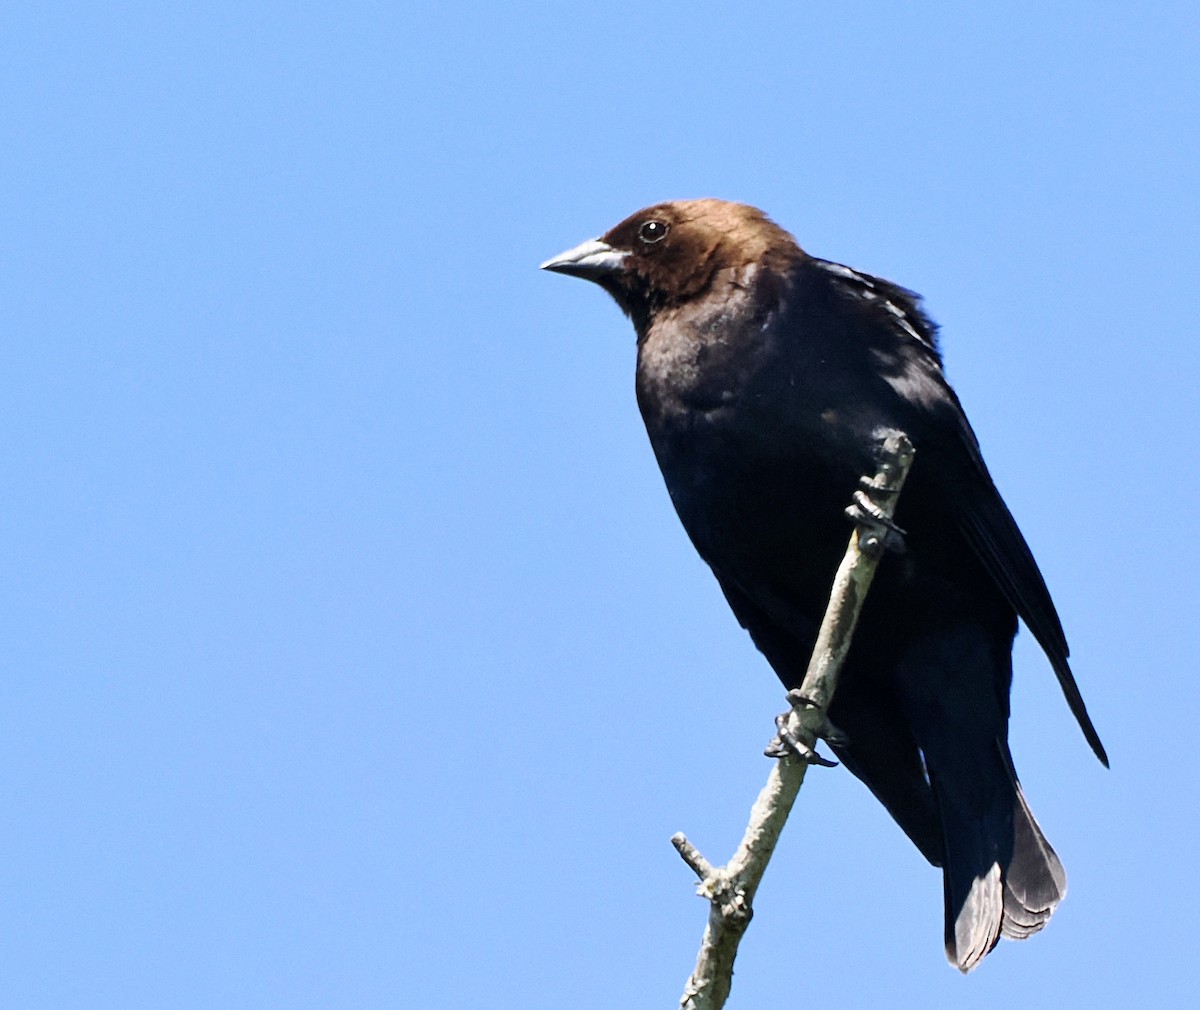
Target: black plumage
(764, 376)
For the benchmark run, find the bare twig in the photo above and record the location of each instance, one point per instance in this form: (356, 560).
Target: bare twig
(731, 888)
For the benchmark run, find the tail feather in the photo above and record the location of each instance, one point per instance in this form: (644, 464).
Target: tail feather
(1001, 876)
(1035, 881)
(974, 929)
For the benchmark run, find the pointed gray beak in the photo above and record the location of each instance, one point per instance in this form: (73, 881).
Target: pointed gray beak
(590, 260)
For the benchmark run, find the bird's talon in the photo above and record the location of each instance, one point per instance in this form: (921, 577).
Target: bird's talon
(876, 529)
(826, 731)
(864, 510)
(785, 742)
(779, 748)
(870, 486)
(798, 700)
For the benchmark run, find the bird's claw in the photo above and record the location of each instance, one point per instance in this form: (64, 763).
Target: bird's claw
(827, 731)
(788, 741)
(784, 744)
(876, 530)
(870, 486)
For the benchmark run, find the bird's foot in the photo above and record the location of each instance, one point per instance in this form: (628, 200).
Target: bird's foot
(871, 486)
(876, 531)
(827, 731)
(790, 738)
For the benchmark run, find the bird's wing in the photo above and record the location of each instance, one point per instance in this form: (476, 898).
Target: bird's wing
(911, 365)
(990, 529)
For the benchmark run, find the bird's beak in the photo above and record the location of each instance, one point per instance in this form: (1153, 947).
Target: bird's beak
(590, 260)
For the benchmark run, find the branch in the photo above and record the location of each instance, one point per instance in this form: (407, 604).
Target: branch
(731, 888)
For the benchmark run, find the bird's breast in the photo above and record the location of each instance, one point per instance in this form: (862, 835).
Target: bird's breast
(759, 448)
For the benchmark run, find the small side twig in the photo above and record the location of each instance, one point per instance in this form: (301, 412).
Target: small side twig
(731, 888)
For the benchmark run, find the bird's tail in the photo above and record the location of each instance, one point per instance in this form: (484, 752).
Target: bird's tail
(1035, 881)
(1001, 876)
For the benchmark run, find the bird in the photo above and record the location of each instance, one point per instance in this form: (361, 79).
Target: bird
(764, 377)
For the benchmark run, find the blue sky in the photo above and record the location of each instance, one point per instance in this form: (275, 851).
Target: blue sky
(355, 657)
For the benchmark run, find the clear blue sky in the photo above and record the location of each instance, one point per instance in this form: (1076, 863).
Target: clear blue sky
(353, 654)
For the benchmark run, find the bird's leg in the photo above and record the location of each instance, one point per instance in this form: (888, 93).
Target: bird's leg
(790, 735)
(875, 529)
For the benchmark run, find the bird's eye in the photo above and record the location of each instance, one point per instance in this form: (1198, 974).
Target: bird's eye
(653, 231)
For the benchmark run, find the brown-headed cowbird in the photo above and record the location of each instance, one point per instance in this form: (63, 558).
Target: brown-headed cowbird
(765, 376)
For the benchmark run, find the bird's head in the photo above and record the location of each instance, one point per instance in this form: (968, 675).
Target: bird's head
(668, 254)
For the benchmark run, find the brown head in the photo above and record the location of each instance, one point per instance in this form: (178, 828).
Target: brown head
(668, 254)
